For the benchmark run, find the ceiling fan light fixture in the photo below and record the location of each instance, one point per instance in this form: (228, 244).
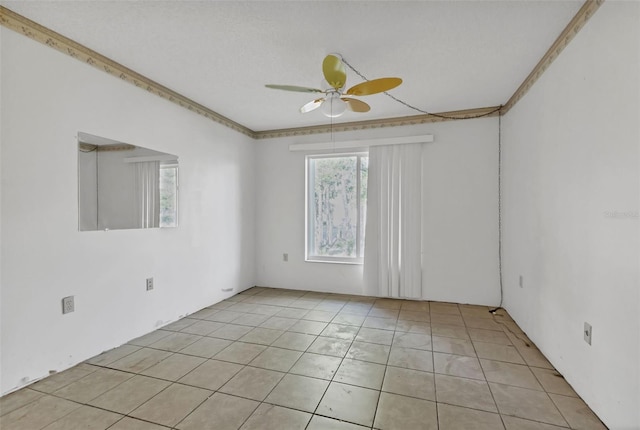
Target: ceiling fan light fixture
(333, 106)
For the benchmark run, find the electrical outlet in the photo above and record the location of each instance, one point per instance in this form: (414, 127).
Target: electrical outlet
(227, 290)
(149, 284)
(520, 282)
(68, 305)
(285, 257)
(587, 333)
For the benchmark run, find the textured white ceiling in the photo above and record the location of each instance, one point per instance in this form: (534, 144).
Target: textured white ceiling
(451, 54)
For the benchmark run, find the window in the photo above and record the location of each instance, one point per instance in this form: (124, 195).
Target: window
(336, 207)
(168, 195)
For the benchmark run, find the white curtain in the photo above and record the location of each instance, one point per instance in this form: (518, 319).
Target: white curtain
(393, 254)
(148, 193)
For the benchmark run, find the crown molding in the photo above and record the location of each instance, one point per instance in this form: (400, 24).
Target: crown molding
(39, 33)
(570, 31)
(80, 52)
(380, 123)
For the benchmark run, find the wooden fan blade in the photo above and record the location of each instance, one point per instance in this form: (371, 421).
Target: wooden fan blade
(294, 88)
(356, 105)
(334, 71)
(373, 87)
(312, 105)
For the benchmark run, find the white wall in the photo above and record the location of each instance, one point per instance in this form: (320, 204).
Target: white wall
(47, 97)
(460, 216)
(571, 157)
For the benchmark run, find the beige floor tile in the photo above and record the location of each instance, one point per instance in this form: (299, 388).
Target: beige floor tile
(510, 374)
(231, 331)
(482, 323)
(128, 423)
(225, 316)
(493, 351)
(320, 315)
(453, 346)
(294, 313)
(262, 336)
(457, 418)
(112, 355)
(412, 340)
(386, 303)
(340, 331)
(330, 346)
(38, 414)
(360, 373)
(474, 311)
(514, 423)
(276, 359)
(380, 323)
(252, 320)
(240, 352)
(384, 313)
(180, 324)
(464, 392)
(149, 338)
(206, 347)
(525, 403)
(372, 352)
(18, 399)
(414, 316)
(375, 335)
(577, 413)
(348, 319)
(296, 341)
(202, 328)
(400, 413)
(219, 412)
(346, 402)
(130, 394)
(446, 319)
(174, 367)
(252, 383)
(457, 365)
(271, 417)
(356, 308)
(553, 382)
(413, 327)
(58, 380)
(449, 331)
(206, 312)
(415, 306)
(140, 360)
(316, 366)
(211, 375)
(241, 307)
(278, 323)
(308, 327)
(93, 385)
(408, 382)
(490, 336)
(298, 392)
(323, 423)
(268, 309)
(304, 304)
(171, 405)
(85, 418)
(444, 308)
(175, 342)
(409, 358)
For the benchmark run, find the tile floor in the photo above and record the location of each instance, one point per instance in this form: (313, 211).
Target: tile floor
(286, 360)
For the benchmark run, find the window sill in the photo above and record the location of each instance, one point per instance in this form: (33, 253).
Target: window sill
(354, 262)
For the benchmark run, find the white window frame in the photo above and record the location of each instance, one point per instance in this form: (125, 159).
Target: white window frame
(309, 211)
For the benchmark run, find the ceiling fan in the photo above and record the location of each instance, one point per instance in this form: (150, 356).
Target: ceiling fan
(336, 100)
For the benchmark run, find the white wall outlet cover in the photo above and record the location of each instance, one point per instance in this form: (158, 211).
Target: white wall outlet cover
(68, 305)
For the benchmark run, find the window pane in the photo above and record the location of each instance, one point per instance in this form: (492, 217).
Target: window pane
(364, 176)
(168, 196)
(335, 211)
